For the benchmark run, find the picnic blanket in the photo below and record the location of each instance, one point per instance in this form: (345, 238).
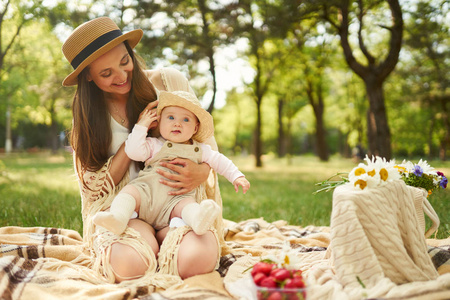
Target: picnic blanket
(48, 263)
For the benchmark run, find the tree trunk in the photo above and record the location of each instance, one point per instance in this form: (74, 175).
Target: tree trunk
(321, 143)
(8, 142)
(259, 91)
(379, 133)
(446, 139)
(212, 69)
(375, 72)
(289, 148)
(344, 148)
(54, 137)
(281, 136)
(258, 141)
(318, 108)
(430, 137)
(371, 140)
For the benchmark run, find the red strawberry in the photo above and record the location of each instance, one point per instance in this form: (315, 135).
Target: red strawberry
(268, 282)
(297, 273)
(293, 296)
(275, 296)
(262, 267)
(290, 284)
(298, 282)
(281, 274)
(258, 277)
(260, 295)
(274, 270)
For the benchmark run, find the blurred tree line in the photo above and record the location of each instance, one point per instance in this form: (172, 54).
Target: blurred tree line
(319, 76)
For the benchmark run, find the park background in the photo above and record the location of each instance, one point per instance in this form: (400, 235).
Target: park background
(296, 88)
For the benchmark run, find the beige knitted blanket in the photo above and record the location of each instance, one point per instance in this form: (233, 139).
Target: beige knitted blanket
(378, 247)
(38, 263)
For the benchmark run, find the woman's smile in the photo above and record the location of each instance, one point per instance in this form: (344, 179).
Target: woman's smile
(122, 83)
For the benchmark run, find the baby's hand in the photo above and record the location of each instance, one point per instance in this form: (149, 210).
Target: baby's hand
(147, 117)
(241, 181)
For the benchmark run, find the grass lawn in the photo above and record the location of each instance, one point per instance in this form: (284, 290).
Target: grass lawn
(41, 190)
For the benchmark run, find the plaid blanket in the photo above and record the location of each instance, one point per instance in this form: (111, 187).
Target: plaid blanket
(48, 263)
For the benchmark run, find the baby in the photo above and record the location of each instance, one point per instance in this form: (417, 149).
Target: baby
(183, 126)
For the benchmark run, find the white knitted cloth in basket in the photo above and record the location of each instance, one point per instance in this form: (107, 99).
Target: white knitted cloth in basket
(376, 236)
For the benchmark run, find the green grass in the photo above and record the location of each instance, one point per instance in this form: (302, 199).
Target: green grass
(283, 190)
(41, 190)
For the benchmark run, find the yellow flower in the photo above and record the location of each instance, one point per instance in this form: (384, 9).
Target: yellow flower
(286, 260)
(400, 169)
(384, 174)
(359, 171)
(362, 183)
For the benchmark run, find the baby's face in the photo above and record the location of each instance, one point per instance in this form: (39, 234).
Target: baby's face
(177, 124)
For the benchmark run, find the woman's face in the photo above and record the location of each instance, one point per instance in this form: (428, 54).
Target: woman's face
(112, 72)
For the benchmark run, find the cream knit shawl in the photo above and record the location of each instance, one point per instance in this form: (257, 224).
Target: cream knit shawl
(378, 242)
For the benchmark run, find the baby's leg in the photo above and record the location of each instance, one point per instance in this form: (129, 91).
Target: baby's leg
(122, 207)
(199, 216)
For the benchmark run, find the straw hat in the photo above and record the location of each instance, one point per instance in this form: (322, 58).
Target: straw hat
(190, 102)
(92, 39)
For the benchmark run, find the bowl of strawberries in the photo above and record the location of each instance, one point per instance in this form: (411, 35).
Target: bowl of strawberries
(273, 281)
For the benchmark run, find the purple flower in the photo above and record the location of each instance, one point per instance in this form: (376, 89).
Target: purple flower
(443, 182)
(418, 171)
(440, 174)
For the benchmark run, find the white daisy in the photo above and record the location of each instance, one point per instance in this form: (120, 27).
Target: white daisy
(286, 257)
(357, 171)
(383, 170)
(427, 169)
(408, 165)
(364, 181)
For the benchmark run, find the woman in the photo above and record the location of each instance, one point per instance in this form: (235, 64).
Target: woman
(112, 90)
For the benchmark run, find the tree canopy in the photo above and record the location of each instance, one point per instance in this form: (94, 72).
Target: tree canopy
(320, 76)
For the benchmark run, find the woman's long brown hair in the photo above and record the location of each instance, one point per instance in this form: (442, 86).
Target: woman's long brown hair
(91, 134)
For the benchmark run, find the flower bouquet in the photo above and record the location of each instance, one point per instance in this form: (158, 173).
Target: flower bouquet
(377, 171)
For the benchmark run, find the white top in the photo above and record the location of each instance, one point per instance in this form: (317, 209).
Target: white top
(139, 147)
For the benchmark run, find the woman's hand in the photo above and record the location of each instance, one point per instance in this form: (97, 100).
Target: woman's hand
(189, 175)
(148, 112)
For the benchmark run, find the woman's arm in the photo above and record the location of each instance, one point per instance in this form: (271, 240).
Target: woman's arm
(95, 185)
(119, 165)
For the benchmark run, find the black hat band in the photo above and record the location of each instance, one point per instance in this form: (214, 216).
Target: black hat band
(94, 46)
